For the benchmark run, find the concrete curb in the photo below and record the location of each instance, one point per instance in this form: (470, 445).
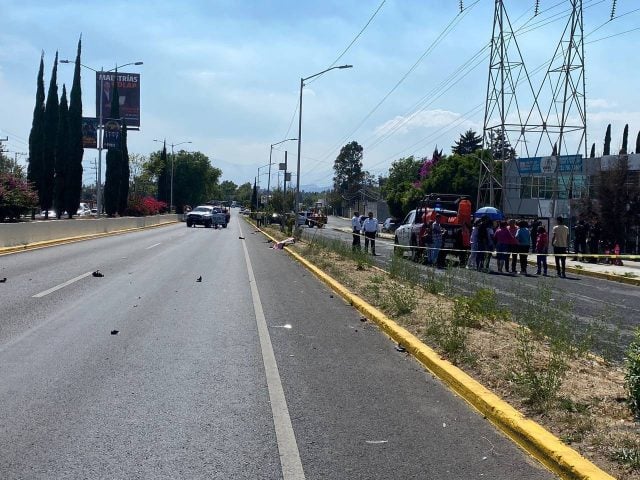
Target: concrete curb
(81, 238)
(533, 438)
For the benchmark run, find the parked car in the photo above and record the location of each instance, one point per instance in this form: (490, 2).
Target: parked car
(389, 225)
(201, 215)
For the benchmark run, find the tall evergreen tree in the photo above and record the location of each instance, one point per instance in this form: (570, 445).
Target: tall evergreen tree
(625, 139)
(607, 141)
(469, 142)
(593, 151)
(348, 169)
(554, 153)
(163, 177)
(36, 136)
(51, 115)
(114, 163)
(123, 191)
(73, 190)
(61, 177)
(501, 147)
(638, 143)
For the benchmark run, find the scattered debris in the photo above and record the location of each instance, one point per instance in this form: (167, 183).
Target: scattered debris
(199, 279)
(241, 238)
(363, 319)
(376, 442)
(98, 273)
(114, 332)
(400, 348)
(330, 296)
(283, 243)
(3, 280)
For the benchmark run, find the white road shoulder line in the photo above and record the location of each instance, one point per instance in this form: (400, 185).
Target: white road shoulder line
(287, 446)
(62, 285)
(151, 246)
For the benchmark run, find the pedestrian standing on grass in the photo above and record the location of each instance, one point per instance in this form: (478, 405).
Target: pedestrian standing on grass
(541, 248)
(370, 229)
(523, 236)
(356, 226)
(560, 242)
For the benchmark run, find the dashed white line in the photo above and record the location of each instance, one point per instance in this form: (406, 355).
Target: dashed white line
(151, 246)
(62, 285)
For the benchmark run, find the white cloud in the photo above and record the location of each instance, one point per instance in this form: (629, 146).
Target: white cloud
(599, 103)
(421, 120)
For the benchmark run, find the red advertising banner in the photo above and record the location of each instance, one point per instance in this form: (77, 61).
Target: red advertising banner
(128, 95)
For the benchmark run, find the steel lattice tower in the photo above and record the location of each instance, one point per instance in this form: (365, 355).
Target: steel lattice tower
(509, 86)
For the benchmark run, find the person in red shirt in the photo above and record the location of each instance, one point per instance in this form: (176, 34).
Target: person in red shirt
(541, 248)
(504, 242)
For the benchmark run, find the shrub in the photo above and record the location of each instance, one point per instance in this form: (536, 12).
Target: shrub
(632, 376)
(143, 206)
(17, 196)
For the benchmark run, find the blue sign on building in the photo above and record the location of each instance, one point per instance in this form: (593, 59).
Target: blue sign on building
(538, 165)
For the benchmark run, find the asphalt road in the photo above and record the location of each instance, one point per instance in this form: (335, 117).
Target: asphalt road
(256, 372)
(614, 307)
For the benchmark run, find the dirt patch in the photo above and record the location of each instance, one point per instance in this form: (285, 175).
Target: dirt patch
(588, 411)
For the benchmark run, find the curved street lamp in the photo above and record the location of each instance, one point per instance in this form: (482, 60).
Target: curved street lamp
(302, 80)
(172, 160)
(102, 71)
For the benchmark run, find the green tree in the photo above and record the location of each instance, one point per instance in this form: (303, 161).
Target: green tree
(75, 150)
(143, 183)
(348, 170)
(228, 190)
(51, 116)
(62, 158)
(16, 197)
(638, 143)
(607, 141)
(243, 193)
(399, 189)
(501, 149)
(469, 142)
(625, 139)
(454, 174)
(195, 180)
(593, 151)
(114, 162)
(10, 165)
(164, 177)
(254, 195)
(36, 136)
(616, 192)
(123, 190)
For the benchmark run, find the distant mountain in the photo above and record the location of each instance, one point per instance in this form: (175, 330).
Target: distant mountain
(314, 188)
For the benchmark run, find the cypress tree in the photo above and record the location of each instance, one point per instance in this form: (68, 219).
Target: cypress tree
(638, 143)
(123, 191)
(36, 136)
(554, 153)
(625, 138)
(114, 156)
(62, 158)
(51, 115)
(163, 178)
(593, 151)
(73, 190)
(607, 141)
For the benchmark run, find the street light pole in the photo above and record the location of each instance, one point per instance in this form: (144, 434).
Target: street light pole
(100, 124)
(270, 152)
(173, 156)
(302, 80)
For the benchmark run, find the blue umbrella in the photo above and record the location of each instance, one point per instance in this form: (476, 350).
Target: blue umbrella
(491, 212)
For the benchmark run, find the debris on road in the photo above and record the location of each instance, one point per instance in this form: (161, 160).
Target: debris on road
(114, 332)
(98, 273)
(400, 348)
(3, 280)
(199, 279)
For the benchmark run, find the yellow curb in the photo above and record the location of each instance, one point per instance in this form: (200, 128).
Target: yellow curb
(533, 438)
(81, 238)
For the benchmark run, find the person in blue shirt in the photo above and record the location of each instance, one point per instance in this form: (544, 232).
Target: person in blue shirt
(523, 236)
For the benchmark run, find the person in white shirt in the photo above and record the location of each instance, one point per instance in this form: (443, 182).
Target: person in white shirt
(370, 229)
(356, 226)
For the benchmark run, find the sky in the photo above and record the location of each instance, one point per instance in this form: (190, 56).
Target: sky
(225, 74)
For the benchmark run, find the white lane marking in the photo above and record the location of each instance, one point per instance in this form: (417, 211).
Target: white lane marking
(287, 446)
(62, 285)
(154, 245)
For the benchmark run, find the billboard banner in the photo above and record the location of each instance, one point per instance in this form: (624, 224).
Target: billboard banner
(128, 96)
(89, 132)
(111, 136)
(549, 165)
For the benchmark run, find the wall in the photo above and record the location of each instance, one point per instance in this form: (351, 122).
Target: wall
(17, 234)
